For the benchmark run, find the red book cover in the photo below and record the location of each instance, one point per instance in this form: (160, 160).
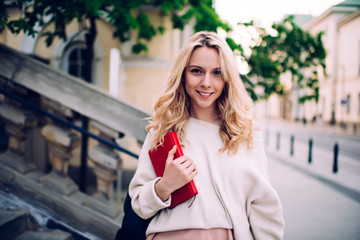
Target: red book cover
(158, 158)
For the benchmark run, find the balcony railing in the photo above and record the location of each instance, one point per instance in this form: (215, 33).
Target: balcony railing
(43, 108)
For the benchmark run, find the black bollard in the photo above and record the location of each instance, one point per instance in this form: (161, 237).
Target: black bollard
(292, 145)
(354, 128)
(310, 150)
(278, 141)
(336, 154)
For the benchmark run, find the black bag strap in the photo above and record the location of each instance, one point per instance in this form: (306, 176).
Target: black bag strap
(133, 227)
(4, 136)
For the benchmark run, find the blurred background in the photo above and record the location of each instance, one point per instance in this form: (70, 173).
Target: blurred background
(78, 79)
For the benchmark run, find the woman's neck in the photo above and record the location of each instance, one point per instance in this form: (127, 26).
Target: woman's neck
(210, 116)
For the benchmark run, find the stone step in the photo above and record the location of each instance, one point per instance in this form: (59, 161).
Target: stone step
(12, 223)
(42, 235)
(15, 225)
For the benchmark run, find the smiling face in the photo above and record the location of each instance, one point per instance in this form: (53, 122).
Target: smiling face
(204, 82)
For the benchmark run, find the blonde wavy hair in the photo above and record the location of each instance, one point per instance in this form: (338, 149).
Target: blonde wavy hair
(171, 110)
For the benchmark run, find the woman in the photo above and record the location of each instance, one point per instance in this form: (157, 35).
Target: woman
(206, 103)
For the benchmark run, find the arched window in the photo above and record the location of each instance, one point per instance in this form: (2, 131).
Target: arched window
(74, 60)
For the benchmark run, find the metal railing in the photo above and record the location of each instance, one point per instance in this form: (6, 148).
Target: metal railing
(100, 215)
(66, 123)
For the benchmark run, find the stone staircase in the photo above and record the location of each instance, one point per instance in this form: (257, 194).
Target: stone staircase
(44, 111)
(18, 225)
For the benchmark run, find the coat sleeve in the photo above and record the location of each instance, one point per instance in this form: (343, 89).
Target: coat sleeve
(264, 207)
(144, 200)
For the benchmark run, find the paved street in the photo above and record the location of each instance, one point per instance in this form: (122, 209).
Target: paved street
(317, 203)
(312, 209)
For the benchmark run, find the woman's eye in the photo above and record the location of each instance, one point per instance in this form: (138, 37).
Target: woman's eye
(196, 71)
(217, 73)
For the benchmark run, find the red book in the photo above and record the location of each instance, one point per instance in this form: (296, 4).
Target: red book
(158, 158)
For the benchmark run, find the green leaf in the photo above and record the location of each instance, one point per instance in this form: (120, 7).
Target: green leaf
(139, 47)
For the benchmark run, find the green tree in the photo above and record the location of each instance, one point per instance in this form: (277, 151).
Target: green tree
(287, 48)
(126, 16)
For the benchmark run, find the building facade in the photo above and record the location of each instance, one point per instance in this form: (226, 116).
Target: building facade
(348, 74)
(339, 94)
(127, 76)
(339, 100)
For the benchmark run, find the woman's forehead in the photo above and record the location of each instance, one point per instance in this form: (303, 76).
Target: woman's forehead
(205, 56)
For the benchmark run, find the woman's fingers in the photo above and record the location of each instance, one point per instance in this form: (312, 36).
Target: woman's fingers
(171, 154)
(185, 164)
(178, 171)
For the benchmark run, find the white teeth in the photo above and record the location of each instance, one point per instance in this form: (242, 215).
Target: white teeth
(204, 94)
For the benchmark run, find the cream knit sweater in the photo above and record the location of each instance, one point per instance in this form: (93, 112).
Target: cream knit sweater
(239, 182)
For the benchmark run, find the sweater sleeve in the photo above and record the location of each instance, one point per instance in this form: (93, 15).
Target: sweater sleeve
(265, 210)
(266, 218)
(144, 200)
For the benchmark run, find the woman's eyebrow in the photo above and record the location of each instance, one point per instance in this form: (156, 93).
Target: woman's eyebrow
(195, 66)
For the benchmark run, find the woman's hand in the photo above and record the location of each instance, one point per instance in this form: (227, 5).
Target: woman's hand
(177, 173)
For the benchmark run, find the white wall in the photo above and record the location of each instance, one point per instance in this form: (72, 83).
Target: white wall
(349, 67)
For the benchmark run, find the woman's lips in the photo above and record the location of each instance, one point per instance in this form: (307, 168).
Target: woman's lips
(204, 94)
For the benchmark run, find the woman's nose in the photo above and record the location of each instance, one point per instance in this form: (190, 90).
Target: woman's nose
(206, 82)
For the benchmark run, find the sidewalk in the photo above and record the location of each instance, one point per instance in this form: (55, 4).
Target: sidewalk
(344, 180)
(350, 131)
(317, 203)
(313, 210)
(347, 179)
